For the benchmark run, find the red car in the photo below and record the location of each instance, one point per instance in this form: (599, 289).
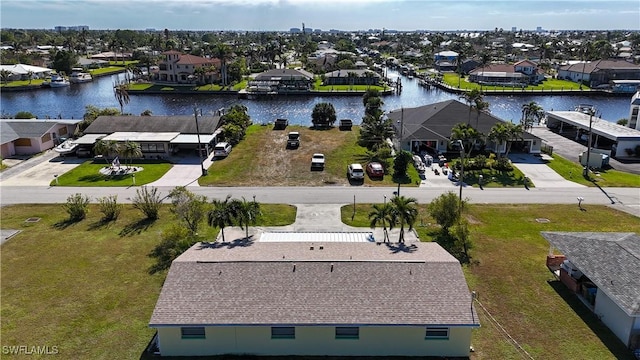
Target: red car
(375, 169)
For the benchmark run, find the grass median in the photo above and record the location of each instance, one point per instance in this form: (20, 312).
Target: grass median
(509, 274)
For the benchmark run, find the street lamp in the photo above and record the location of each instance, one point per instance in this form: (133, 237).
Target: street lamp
(588, 109)
(459, 143)
(204, 171)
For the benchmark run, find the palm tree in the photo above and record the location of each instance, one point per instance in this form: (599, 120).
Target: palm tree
(223, 52)
(220, 215)
(499, 133)
(480, 106)
(120, 91)
(381, 214)
(467, 134)
(515, 133)
(30, 76)
(404, 212)
(106, 149)
(245, 213)
(471, 98)
(130, 150)
(5, 74)
(531, 112)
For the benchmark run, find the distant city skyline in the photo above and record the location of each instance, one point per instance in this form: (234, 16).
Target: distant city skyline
(347, 15)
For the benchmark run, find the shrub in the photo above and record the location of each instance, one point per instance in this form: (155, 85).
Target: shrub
(148, 201)
(109, 207)
(76, 206)
(175, 240)
(503, 164)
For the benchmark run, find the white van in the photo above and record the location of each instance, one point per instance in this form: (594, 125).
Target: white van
(221, 149)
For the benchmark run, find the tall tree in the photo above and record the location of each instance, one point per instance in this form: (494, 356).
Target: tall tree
(471, 98)
(404, 212)
(323, 115)
(221, 214)
(531, 112)
(190, 208)
(245, 213)
(121, 92)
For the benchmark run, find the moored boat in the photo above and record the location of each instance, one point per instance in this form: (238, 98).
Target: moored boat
(78, 76)
(67, 147)
(56, 81)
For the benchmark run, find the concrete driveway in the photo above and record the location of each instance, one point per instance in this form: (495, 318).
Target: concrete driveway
(39, 170)
(185, 171)
(539, 173)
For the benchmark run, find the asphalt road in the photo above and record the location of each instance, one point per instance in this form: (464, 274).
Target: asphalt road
(625, 199)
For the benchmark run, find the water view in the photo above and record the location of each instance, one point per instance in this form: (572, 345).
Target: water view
(70, 102)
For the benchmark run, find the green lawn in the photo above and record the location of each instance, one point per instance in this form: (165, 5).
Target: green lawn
(452, 80)
(604, 178)
(18, 83)
(85, 287)
(139, 86)
(88, 174)
(509, 274)
(279, 166)
(106, 70)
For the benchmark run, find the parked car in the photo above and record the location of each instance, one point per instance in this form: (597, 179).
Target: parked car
(221, 149)
(375, 170)
(355, 172)
(293, 140)
(317, 162)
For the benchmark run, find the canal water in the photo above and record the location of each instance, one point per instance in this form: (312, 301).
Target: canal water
(70, 102)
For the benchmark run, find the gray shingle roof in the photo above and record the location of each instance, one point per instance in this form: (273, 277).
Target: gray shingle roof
(184, 124)
(28, 129)
(287, 283)
(436, 120)
(610, 260)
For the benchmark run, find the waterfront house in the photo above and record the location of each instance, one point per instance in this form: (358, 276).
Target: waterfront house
(188, 69)
(31, 136)
(22, 71)
(314, 298)
(603, 270)
(600, 72)
(522, 73)
(281, 80)
(428, 127)
(158, 136)
(352, 77)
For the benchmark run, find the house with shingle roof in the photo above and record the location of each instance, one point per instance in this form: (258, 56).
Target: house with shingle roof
(522, 73)
(428, 128)
(600, 72)
(603, 270)
(352, 77)
(31, 136)
(315, 299)
(184, 68)
(157, 135)
(281, 80)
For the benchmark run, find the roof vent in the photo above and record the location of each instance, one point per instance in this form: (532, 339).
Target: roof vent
(331, 267)
(294, 267)
(311, 247)
(321, 247)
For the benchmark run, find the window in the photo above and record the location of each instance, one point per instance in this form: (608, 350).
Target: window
(283, 332)
(192, 332)
(347, 333)
(46, 137)
(440, 333)
(22, 142)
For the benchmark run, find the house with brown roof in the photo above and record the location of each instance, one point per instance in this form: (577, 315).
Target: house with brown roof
(522, 73)
(428, 128)
(184, 68)
(315, 299)
(600, 72)
(603, 270)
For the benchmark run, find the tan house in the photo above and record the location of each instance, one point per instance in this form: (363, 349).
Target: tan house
(315, 299)
(26, 137)
(183, 68)
(522, 73)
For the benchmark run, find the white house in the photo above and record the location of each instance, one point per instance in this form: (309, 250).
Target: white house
(315, 299)
(603, 269)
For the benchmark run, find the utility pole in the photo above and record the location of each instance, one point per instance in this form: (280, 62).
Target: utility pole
(199, 147)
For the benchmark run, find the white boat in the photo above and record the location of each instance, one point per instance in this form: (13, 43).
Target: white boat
(57, 81)
(78, 76)
(67, 147)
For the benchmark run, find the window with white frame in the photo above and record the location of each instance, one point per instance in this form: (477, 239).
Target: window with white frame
(437, 332)
(283, 332)
(347, 332)
(192, 332)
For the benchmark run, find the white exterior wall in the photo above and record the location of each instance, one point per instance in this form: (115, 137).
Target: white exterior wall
(614, 317)
(623, 145)
(315, 340)
(7, 150)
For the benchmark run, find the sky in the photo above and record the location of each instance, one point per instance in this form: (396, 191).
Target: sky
(349, 15)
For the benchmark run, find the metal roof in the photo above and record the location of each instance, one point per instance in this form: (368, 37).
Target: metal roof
(89, 139)
(599, 126)
(141, 136)
(192, 139)
(319, 237)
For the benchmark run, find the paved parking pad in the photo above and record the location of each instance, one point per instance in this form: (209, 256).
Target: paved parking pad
(539, 173)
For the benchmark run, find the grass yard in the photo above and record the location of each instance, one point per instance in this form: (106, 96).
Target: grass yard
(106, 70)
(85, 287)
(509, 274)
(604, 178)
(452, 79)
(248, 165)
(88, 174)
(19, 83)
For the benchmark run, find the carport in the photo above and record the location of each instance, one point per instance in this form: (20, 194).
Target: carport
(150, 142)
(618, 139)
(191, 141)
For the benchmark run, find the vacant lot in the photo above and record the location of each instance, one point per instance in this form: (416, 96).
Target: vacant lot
(262, 159)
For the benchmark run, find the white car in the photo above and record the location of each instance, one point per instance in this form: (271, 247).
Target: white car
(355, 172)
(221, 149)
(317, 161)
